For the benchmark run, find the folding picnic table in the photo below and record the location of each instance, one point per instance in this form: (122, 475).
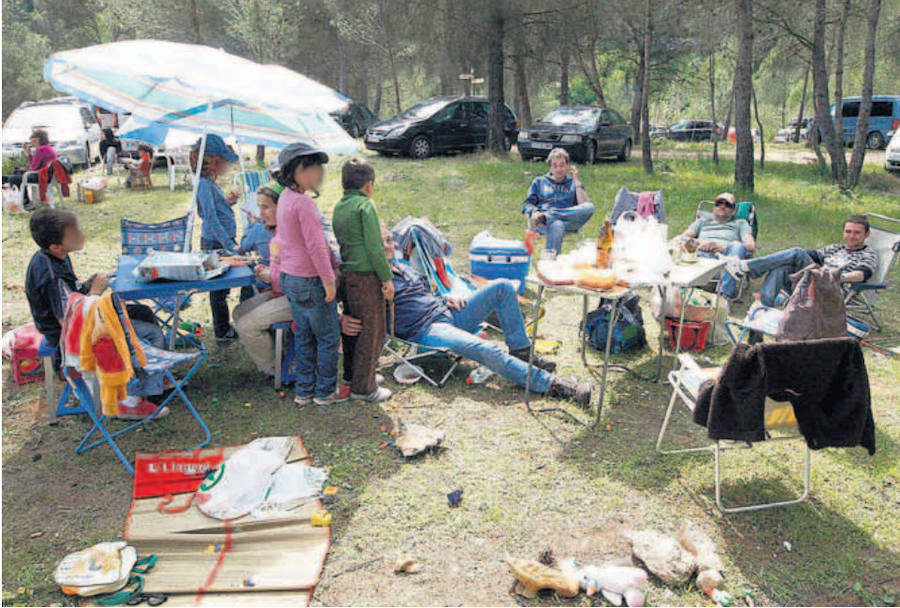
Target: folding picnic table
(128, 288)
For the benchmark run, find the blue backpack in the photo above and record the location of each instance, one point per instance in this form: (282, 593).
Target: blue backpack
(627, 335)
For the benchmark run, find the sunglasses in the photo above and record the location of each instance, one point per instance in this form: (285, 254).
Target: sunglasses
(723, 203)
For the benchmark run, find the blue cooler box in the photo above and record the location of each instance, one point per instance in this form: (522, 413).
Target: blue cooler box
(494, 258)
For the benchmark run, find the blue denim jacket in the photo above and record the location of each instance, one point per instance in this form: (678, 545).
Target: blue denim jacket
(216, 213)
(547, 193)
(415, 307)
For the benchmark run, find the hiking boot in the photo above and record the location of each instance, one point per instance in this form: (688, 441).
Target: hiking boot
(538, 360)
(379, 394)
(142, 409)
(569, 388)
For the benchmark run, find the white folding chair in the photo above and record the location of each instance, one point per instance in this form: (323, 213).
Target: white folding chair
(780, 424)
(249, 182)
(860, 297)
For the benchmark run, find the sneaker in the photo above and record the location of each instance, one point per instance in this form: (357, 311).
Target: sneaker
(303, 400)
(343, 391)
(142, 409)
(379, 394)
(538, 360)
(337, 397)
(734, 266)
(379, 379)
(569, 388)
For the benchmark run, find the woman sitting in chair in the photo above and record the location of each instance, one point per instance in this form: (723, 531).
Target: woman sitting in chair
(40, 155)
(557, 202)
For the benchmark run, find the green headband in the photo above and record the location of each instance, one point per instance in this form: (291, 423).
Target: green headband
(274, 187)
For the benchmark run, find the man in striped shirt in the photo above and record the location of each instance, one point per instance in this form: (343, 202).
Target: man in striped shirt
(856, 261)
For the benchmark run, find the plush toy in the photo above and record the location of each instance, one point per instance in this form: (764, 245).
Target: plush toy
(618, 584)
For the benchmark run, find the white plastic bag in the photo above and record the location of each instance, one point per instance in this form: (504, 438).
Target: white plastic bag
(640, 254)
(103, 568)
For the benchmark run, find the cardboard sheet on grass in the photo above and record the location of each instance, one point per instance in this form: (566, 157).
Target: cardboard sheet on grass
(256, 556)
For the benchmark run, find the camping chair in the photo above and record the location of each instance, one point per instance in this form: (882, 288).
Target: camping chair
(138, 238)
(626, 202)
(860, 297)
(179, 160)
(745, 210)
(158, 361)
(54, 188)
(438, 271)
(140, 180)
(780, 423)
(249, 182)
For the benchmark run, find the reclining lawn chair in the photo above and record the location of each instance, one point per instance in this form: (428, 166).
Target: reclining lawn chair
(779, 417)
(626, 202)
(746, 210)
(138, 238)
(249, 182)
(158, 361)
(860, 297)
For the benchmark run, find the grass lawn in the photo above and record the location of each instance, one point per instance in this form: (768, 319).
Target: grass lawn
(531, 483)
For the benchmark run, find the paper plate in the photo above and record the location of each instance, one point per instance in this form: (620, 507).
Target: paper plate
(408, 374)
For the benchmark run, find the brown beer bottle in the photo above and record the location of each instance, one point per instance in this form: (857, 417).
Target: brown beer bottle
(604, 245)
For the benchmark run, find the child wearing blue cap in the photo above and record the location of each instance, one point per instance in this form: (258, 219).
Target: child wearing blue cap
(219, 229)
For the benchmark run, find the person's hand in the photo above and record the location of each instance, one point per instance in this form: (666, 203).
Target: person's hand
(574, 171)
(387, 289)
(455, 303)
(233, 196)
(99, 284)
(330, 291)
(711, 247)
(350, 326)
(263, 273)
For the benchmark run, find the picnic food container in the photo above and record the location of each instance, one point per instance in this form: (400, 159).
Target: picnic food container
(177, 266)
(493, 258)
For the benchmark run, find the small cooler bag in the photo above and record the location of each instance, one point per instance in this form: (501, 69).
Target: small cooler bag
(493, 258)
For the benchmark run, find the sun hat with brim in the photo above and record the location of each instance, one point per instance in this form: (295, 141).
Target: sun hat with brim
(298, 149)
(216, 146)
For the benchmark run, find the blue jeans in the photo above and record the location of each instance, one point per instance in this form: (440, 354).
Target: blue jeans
(153, 384)
(738, 250)
(779, 266)
(456, 334)
(112, 155)
(218, 300)
(560, 221)
(316, 338)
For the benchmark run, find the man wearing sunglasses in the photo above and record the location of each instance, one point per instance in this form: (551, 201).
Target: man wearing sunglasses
(856, 260)
(722, 235)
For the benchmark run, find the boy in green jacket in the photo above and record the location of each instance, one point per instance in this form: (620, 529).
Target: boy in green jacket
(366, 277)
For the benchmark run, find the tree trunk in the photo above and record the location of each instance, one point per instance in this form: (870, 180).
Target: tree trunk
(646, 159)
(260, 154)
(379, 86)
(712, 103)
(729, 113)
(590, 71)
(638, 99)
(362, 86)
(743, 154)
(564, 75)
(865, 104)
(342, 66)
(820, 89)
(496, 136)
(195, 23)
(839, 93)
(762, 136)
(394, 76)
(522, 104)
(802, 106)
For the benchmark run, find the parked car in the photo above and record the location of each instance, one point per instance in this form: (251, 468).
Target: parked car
(884, 119)
(658, 131)
(70, 124)
(355, 118)
(585, 132)
(804, 129)
(892, 154)
(439, 124)
(783, 136)
(694, 130)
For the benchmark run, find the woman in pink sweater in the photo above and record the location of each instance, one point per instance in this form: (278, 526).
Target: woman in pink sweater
(307, 275)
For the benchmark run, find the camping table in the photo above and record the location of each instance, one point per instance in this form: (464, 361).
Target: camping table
(127, 288)
(616, 295)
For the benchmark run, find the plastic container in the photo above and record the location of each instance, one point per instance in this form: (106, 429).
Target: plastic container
(493, 258)
(693, 334)
(479, 375)
(25, 361)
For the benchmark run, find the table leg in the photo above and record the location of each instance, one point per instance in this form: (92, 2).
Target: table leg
(173, 333)
(614, 313)
(684, 300)
(712, 337)
(663, 334)
(583, 331)
(534, 335)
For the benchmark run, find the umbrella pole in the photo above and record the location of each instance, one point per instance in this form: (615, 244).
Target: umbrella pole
(193, 210)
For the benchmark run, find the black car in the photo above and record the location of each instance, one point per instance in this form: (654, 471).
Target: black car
(438, 125)
(355, 118)
(694, 130)
(585, 132)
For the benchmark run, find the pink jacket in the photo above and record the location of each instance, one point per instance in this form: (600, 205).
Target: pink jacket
(304, 250)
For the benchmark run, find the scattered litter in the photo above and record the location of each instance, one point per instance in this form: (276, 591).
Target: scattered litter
(618, 584)
(250, 581)
(21, 591)
(210, 550)
(608, 427)
(547, 347)
(35, 535)
(413, 439)
(532, 576)
(547, 558)
(320, 519)
(36, 457)
(281, 394)
(407, 565)
(720, 597)
(330, 490)
(700, 545)
(215, 399)
(788, 546)
(455, 497)
(247, 404)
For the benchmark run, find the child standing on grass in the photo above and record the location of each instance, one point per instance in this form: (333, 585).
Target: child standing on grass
(366, 277)
(219, 228)
(308, 278)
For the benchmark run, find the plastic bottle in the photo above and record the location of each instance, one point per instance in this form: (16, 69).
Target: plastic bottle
(720, 597)
(479, 375)
(757, 303)
(605, 245)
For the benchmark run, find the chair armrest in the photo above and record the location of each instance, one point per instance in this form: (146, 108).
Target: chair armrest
(857, 287)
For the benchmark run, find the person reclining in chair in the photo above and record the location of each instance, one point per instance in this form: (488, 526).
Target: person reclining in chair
(856, 260)
(429, 320)
(722, 234)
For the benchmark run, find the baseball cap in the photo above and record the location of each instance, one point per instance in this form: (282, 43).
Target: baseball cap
(216, 146)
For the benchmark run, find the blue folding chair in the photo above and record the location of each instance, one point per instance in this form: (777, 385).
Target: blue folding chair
(249, 182)
(158, 361)
(138, 238)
